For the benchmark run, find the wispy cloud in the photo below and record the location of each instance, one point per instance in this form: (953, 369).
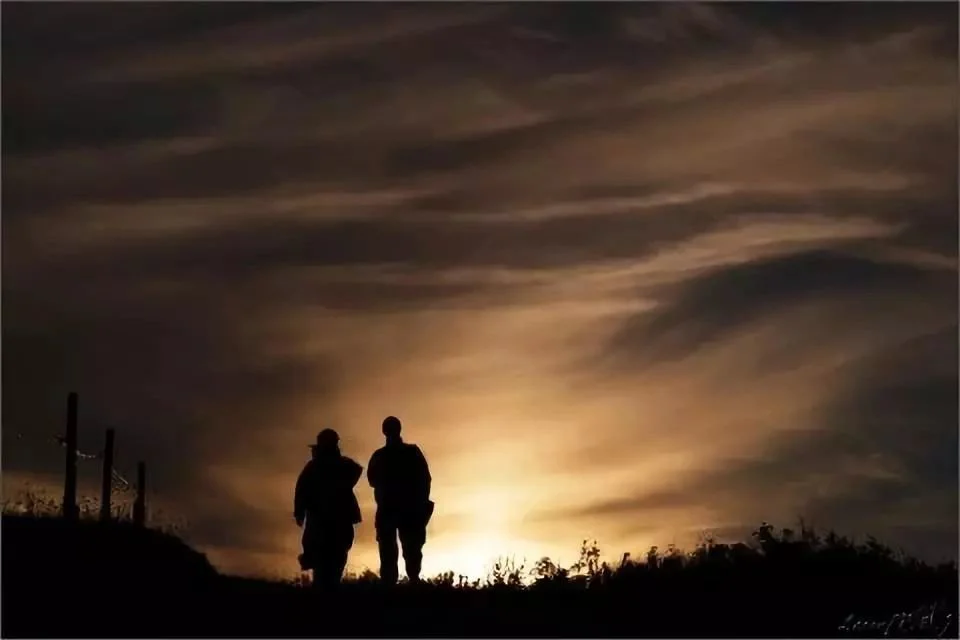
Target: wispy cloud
(624, 271)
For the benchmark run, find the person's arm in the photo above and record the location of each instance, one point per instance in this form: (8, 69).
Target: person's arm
(300, 497)
(373, 470)
(424, 473)
(354, 471)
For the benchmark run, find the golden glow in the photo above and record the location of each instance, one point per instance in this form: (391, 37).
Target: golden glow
(333, 289)
(473, 556)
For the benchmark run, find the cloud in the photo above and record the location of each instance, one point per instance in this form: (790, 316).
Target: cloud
(790, 418)
(709, 307)
(889, 440)
(622, 270)
(288, 40)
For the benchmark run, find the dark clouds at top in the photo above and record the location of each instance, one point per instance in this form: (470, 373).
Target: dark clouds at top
(225, 225)
(723, 301)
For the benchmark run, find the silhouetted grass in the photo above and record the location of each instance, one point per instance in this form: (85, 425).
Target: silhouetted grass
(35, 501)
(109, 580)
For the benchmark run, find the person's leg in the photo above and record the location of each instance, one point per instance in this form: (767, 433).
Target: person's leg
(325, 574)
(387, 543)
(304, 557)
(310, 541)
(412, 538)
(344, 543)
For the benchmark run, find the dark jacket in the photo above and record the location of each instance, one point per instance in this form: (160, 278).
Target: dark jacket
(325, 489)
(400, 478)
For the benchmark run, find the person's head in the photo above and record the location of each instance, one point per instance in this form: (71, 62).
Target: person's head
(328, 441)
(391, 428)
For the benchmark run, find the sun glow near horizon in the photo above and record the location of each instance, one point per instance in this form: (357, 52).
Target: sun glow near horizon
(489, 518)
(473, 556)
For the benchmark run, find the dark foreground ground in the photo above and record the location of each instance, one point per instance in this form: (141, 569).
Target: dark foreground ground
(90, 580)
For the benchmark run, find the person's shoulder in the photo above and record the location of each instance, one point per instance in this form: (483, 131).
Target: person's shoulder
(414, 450)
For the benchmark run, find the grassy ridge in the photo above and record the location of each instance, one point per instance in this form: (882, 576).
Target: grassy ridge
(89, 579)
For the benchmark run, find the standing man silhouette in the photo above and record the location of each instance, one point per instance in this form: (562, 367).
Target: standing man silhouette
(400, 478)
(324, 499)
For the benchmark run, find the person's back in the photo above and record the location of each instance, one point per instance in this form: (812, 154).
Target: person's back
(325, 488)
(400, 477)
(324, 500)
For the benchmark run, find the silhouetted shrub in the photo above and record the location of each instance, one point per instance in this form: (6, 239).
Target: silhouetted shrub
(783, 583)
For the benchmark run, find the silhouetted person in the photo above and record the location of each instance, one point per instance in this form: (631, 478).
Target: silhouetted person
(400, 479)
(324, 498)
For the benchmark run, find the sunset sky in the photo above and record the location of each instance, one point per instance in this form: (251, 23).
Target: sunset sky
(628, 272)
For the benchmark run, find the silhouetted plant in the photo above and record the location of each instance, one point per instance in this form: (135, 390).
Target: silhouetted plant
(546, 572)
(302, 580)
(653, 557)
(445, 580)
(789, 581)
(505, 573)
(38, 502)
(588, 565)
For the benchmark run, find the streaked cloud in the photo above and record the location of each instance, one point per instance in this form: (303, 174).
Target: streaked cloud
(624, 271)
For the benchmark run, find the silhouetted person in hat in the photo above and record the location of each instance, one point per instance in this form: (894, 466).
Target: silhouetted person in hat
(400, 479)
(324, 499)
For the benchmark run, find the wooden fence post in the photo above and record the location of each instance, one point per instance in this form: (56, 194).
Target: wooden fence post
(140, 506)
(70, 471)
(106, 487)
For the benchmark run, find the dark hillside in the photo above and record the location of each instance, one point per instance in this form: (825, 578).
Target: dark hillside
(88, 579)
(120, 551)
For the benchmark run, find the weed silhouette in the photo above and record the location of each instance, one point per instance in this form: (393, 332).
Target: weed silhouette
(778, 584)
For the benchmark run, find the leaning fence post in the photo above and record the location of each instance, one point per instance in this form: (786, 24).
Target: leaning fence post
(106, 487)
(70, 471)
(140, 506)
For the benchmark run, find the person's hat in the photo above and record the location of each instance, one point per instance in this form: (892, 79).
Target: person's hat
(326, 438)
